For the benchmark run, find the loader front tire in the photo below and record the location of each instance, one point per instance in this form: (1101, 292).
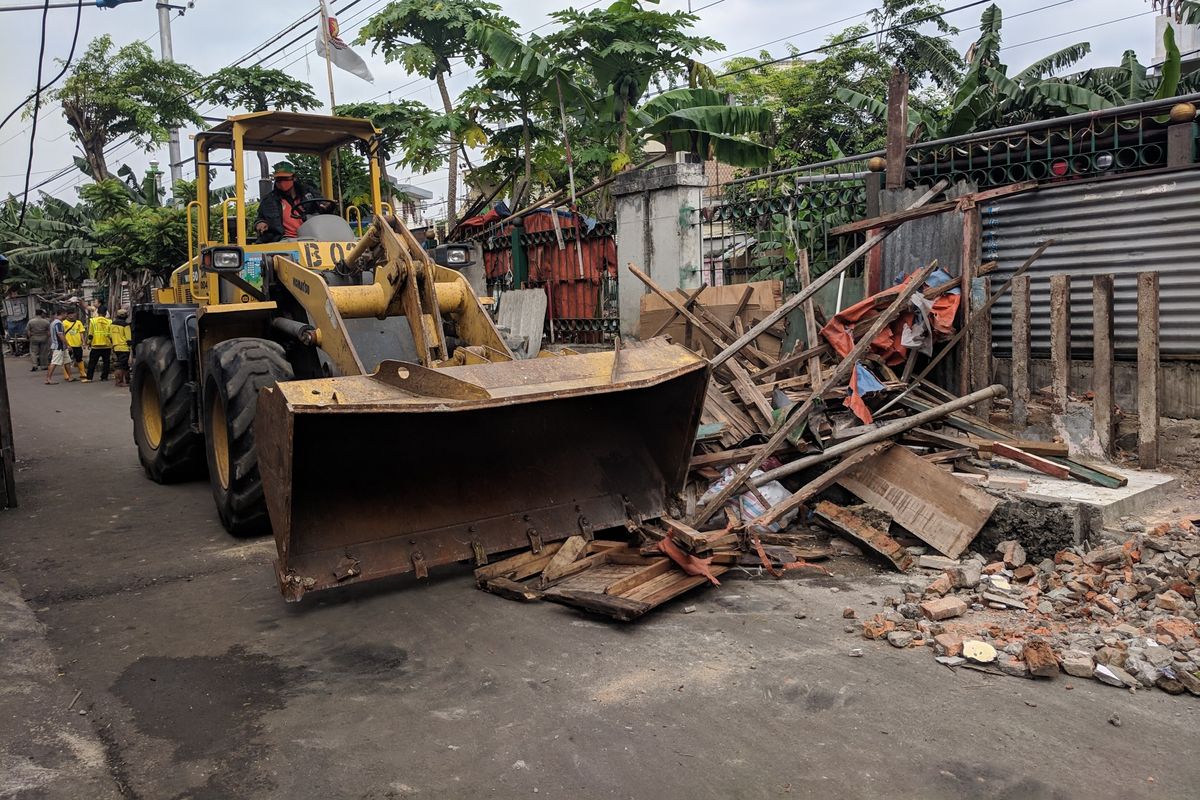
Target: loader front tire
(169, 449)
(237, 369)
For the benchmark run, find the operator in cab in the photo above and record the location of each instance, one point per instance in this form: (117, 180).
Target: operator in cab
(284, 209)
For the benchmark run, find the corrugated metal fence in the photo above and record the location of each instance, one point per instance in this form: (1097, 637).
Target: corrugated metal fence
(1121, 226)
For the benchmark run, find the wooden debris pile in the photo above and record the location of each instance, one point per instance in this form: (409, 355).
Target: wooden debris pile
(841, 433)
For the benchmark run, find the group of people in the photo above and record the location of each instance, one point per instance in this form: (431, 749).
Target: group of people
(58, 342)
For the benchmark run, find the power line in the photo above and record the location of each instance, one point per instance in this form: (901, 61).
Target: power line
(37, 106)
(1078, 30)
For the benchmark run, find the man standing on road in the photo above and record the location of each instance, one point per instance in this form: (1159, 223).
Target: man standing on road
(38, 331)
(121, 335)
(73, 331)
(100, 340)
(60, 352)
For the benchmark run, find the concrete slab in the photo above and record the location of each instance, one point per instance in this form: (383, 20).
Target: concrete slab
(1145, 488)
(523, 312)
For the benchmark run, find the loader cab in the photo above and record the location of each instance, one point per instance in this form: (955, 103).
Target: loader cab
(326, 234)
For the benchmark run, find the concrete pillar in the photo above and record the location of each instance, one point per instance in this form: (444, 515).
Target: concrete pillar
(656, 211)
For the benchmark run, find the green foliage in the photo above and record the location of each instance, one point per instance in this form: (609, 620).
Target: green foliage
(424, 36)
(126, 92)
(925, 56)
(256, 88)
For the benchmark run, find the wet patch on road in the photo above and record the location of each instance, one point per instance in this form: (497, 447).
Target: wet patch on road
(210, 708)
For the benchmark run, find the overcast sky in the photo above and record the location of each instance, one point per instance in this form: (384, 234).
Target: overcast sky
(217, 32)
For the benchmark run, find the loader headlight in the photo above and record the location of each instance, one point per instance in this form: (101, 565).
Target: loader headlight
(224, 259)
(455, 256)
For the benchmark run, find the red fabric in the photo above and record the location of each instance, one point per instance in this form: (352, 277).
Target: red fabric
(686, 561)
(839, 331)
(291, 220)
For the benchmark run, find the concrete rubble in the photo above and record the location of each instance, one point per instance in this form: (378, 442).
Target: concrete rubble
(1122, 611)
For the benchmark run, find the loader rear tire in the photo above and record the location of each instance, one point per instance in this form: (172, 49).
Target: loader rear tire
(237, 369)
(169, 449)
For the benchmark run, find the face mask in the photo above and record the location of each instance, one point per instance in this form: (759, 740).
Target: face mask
(284, 184)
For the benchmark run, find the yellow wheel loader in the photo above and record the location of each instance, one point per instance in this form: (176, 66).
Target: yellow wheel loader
(351, 394)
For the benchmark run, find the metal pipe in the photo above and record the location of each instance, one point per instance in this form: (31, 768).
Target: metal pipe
(879, 434)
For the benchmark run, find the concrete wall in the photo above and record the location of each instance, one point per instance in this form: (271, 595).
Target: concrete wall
(1179, 386)
(655, 211)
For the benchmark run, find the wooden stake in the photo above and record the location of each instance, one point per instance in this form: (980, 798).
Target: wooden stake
(690, 299)
(810, 320)
(1020, 352)
(897, 128)
(1060, 340)
(967, 264)
(1148, 403)
(1103, 392)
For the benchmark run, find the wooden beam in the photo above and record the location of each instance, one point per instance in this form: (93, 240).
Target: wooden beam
(793, 360)
(835, 379)
(897, 217)
(1044, 465)
(1103, 390)
(981, 344)
(1060, 341)
(1147, 369)
(1020, 352)
(820, 282)
(897, 128)
(966, 271)
(691, 298)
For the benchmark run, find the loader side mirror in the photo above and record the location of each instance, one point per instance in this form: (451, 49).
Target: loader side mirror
(223, 259)
(455, 256)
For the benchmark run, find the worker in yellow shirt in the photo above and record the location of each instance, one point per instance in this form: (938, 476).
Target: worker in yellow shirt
(73, 331)
(100, 339)
(121, 335)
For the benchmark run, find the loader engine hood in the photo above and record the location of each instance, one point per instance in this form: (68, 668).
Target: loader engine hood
(408, 468)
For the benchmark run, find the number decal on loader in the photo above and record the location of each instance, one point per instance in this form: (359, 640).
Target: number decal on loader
(337, 253)
(312, 254)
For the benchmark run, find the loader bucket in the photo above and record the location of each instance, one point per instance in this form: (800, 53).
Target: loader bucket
(377, 475)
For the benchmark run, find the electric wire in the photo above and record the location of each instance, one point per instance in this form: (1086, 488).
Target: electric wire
(37, 106)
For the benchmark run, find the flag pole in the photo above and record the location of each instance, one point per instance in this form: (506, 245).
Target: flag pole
(328, 61)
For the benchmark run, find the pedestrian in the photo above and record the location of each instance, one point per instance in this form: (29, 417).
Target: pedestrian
(60, 351)
(73, 331)
(122, 334)
(38, 331)
(100, 340)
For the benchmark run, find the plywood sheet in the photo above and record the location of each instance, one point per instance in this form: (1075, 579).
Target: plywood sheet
(933, 505)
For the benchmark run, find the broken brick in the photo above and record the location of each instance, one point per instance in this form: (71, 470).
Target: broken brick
(1011, 553)
(1178, 628)
(1107, 604)
(941, 585)
(1170, 600)
(943, 608)
(1040, 658)
(1024, 572)
(948, 644)
(1067, 557)
(877, 627)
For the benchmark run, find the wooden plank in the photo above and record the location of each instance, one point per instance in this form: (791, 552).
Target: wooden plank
(585, 563)
(571, 549)
(949, 455)
(1038, 463)
(981, 345)
(819, 283)
(1060, 341)
(630, 582)
(1104, 400)
(1086, 473)
(1148, 401)
(618, 608)
(1020, 352)
(898, 217)
(723, 458)
(845, 521)
(819, 483)
(931, 504)
(836, 378)
(684, 584)
(957, 421)
(511, 589)
(750, 396)
(1059, 449)
(799, 358)
(512, 563)
(810, 319)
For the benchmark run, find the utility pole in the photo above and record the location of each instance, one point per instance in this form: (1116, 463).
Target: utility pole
(164, 40)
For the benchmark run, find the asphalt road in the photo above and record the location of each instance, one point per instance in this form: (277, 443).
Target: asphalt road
(197, 681)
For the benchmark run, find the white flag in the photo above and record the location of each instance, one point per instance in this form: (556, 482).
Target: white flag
(340, 53)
